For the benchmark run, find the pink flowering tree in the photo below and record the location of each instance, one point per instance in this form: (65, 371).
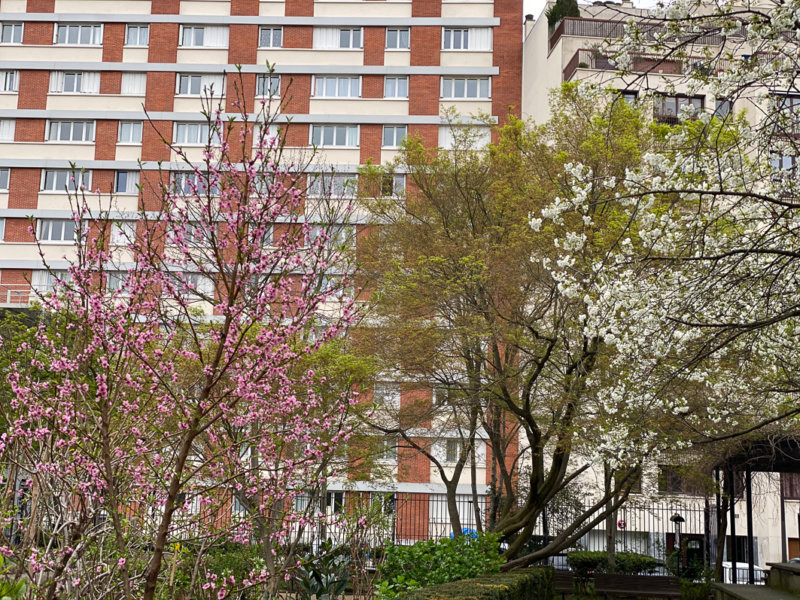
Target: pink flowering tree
(167, 402)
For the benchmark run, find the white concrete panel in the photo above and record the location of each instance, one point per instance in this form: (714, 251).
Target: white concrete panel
(141, 7)
(15, 6)
(29, 251)
(205, 7)
(358, 106)
(397, 58)
(205, 56)
(475, 10)
(129, 152)
(36, 150)
(271, 8)
(8, 101)
(462, 58)
(308, 56)
(4, 200)
(51, 54)
(332, 156)
(362, 9)
(92, 102)
(467, 107)
(134, 55)
(188, 105)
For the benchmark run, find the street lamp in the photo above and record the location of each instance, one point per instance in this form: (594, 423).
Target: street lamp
(677, 520)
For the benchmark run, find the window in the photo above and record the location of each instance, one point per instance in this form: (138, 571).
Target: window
(195, 85)
(393, 185)
(335, 135)
(475, 38)
(191, 133)
(338, 237)
(393, 135)
(191, 183)
(7, 130)
(387, 450)
(11, 33)
(58, 180)
(789, 107)
(4, 177)
(123, 232)
(196, 284)
(629, 97)
(443, 396)
(270, 37)
(452, 448)
(387, 503)
(790, 483)
(68, 82)
(115, 280)
(8, 81)
(335, 38)
(672, 480)
(130, 132)
(126, 182)
(474, 138)
(2, 229)
(204, 36)
(137, 35)
(785, 163)
(387, 395)
(465, 87)
(134, 84)
(337, 185)
(722, 108)
(667, 108)
(395, 87)
(334, 502)
(56, 230)
(70, 131)
(337, 87)
(268, 86)
(397, 39)
(44, 282)
(79, 35)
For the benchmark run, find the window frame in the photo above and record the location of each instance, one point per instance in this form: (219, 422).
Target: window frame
(680, 100)
(81, 178)
(71, 124)
(397, 143)
(273, 79)
(194, 29)
(351, 31)
(135, 125)
(448, 37)
(14, 25)
(398, 33)
(139, 28)
(478, 88)
(5, 178)
(322, 127)
(272, 29)
(125, 175)
(9, 75)
(202, 137)
(43, 225)
(396, 79)
(96, 32)
(337, 81)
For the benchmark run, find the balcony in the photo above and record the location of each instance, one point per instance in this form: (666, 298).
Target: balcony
(16, 295)
(606, 29)
(642, 63)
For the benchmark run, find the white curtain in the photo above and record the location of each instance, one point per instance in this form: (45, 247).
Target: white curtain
(218, 81)
(134, 84)
(480, 38)
(90, 82)
(215, 36)
(445, 137)
(326, 38)
(7, 130)
(56, 82)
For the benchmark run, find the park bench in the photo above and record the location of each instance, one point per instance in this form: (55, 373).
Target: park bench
(563, 583)
(644, 586)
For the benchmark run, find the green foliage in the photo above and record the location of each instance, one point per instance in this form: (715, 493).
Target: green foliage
(561, 9)
(628, 563)
(522, 584)
(325, 576)
(691, 590)
(10, 590)
(435, 562)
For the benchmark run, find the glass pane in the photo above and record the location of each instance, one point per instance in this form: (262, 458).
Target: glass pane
(72, 34)
(402, 87)
(404, 33)
(124, 132)
(458, 88)
(6, 34)
(77, 132)
(86, 35)
(447, 39)
(457, 39)
(277, 38)
(122, 181)
(341, 136)
(49, 180)
(391, 38)
(52, 134)
(344, 38)
(64, 134)
(69, 231)
(388, 136)
(352, 136)
(484, 88)
(390, 87)
(144, 36)
(465, 40)
(327, 137)
(330, 86)
(344, 87)
(198, 36)
(472, 88)
(193, 133)
(316, 135)
(56, 229)
(78, 80)
(356, 38)
(187, 36)
(447, 88)
(137, 132)
(62, 34)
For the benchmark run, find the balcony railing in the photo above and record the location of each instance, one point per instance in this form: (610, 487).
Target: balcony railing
(607, 29)
(15, 295)
(641, 63)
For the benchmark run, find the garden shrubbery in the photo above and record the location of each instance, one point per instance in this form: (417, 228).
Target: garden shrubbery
(584, 563)
(432, 562)
(522, 584)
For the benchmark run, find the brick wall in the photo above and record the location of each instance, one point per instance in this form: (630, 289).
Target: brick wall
(296, 94)
(372, 86)
(113, 40)
(507, 86)
(298, 36)
(165, 7)
(110, 82)
(426, 46)
(244, 7)
(242, 49)
(40, 6)
(29, 130)
(163, 42)
(105, 140)
(299, 8)
(24, 188)
(103, 180)
(153, 148)
(240, 91)
(374, 45)
(428, 8)
(160, 93)
(412, 465)
(151, 192)
(17, 230)
(423, 94)
(33, 87)
(371, 138)
(36, 33)
(429, 134)
(413, 515)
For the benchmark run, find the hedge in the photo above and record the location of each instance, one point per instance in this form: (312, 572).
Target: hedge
(584, 563)
(522, 584)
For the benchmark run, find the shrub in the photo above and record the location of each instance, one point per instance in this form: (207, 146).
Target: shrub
(522, 584)
(585, 563)
(434, 562)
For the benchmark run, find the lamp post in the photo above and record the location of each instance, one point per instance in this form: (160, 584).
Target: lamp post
(677, 520)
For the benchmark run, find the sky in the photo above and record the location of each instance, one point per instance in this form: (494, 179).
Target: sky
(534, 7)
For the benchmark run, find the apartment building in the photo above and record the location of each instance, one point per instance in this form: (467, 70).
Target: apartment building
(96, 84)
